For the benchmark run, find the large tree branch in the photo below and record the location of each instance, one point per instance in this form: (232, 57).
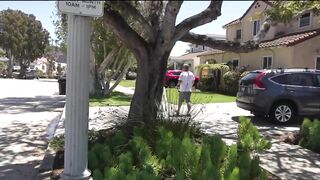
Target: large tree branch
(127, 7)
(169, 20)
(219, 44)
(114, 21)
(209, 14)
(108, 59)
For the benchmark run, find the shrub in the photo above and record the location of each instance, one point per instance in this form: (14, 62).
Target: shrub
(231, 81)
(175, 157)
(3, 69)
(41, 74)
(213, 79)
(310, 135)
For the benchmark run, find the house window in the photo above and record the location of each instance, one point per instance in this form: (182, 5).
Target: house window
(202, 47)
(305, 20)
(235, 64)
(318, 63)
(266, 62)
(196, 45)
(43, 67)
(256, 27)
(238, 34)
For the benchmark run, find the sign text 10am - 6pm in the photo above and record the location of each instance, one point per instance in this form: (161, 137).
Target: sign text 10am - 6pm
(82, 8)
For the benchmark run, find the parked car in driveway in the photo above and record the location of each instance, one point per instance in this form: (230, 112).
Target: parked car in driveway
(172, 76)
(282, 94)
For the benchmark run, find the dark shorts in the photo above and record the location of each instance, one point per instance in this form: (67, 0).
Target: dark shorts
(184, 96)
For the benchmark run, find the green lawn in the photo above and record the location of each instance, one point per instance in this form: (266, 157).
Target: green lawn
(115, 99)
(120, 99)
(128, 83)
(198, 97)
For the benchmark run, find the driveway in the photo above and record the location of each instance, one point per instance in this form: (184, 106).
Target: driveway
(29, 110)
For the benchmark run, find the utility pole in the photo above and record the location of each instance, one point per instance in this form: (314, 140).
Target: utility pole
(77, 94)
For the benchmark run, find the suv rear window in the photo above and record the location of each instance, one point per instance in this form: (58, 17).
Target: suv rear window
(251, 76)
(318, 79)
(300, 79)
(280, 79)
(177, 73)
(295, 79)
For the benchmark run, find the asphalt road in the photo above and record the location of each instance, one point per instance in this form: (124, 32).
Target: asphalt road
(28, 109)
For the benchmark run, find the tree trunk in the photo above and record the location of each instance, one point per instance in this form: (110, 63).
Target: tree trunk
(10, 64)
(23, 69)
(92, 76)
(120, 77)
(149, 87)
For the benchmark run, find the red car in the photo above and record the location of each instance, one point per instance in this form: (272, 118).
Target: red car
(172, 76)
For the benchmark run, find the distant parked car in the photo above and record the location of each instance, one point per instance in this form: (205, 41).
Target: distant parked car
(31, 74)
(172, 76)
(283, 94)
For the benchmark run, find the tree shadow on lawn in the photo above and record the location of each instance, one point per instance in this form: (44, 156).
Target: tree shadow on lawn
(114, 99)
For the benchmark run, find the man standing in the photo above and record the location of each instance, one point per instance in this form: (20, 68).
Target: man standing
(185, 84)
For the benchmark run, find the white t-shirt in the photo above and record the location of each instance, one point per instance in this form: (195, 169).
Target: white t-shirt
(186, 78)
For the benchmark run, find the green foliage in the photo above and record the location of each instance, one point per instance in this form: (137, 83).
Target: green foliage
(231, 81)
(249, 138)
(214, 78)
(3, 67)
(286, 11)
(310, 135)
(23, 35)
(57, 143)
(174, 156)
(41, 74)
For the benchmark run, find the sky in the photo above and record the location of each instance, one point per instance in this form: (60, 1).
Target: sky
(45, 10)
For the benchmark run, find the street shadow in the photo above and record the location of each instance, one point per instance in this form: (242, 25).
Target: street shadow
(21, 150)
(17, 105)
(26, 171)
(286, 161)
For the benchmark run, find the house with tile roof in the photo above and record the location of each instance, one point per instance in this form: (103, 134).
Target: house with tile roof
(292, 45)
(191, 58)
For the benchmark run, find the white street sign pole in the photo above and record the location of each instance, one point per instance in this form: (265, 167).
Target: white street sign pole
(77, 99)
(77, 95)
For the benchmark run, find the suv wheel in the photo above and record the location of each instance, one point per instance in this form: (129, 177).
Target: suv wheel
(172, 84)
(283, 112)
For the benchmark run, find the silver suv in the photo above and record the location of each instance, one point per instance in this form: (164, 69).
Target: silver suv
(282, 94)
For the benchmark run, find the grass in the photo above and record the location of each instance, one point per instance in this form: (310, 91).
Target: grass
(115, 99)
(198, 97)
(128, 83)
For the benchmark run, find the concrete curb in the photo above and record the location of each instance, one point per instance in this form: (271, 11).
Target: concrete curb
(46, 166)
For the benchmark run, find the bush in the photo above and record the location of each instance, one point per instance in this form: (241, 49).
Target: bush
(213, 80)
(41, 74)
(3, 69)
(310, 135)
(231, 81)
(168, 155)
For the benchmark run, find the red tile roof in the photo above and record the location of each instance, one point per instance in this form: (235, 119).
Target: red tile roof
(236, 21)
(290, 39)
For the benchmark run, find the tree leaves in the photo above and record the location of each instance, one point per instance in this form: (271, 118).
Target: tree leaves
(23, 35)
